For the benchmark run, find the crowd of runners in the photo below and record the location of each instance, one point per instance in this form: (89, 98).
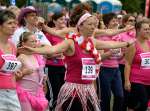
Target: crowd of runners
(74, 61)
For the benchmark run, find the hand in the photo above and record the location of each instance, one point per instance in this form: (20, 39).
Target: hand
(27, 71)
(18, 74)
(45, 28)
(25, 50)
(129, 27)
(127, 86)
(41, 20)
(130, 42)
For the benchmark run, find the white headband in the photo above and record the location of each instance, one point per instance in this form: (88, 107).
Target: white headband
(83, 18)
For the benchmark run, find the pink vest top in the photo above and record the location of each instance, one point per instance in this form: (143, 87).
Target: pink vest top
(74, 66)
(56, 61)
(138, 74)
(32, 81)
(7, 80)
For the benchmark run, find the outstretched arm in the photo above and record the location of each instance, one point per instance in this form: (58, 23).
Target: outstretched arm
(60, 33)
(99, 44)
(111, 32)
(50, 50)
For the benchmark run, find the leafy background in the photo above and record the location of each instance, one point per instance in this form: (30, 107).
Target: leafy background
(128, 5)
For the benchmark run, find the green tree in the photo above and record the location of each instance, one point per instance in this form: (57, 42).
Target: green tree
(21, 3)
(133, 5)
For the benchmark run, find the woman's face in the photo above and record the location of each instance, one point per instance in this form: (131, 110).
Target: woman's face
(131, 21)
(113, 23)
(31, 18)
(31, 42)
(8, 27)
(145, 31)
(60, 22)
(88, 26)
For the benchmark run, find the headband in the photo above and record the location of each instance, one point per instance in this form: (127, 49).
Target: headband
(83, 18)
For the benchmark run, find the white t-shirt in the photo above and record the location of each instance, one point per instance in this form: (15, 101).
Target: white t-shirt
(39, 34)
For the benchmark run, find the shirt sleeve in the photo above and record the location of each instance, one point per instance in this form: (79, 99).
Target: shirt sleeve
(42, 38)
(16, 36)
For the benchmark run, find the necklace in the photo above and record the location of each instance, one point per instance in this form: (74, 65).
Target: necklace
(86, 45)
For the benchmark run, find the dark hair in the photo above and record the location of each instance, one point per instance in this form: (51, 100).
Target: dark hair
(24, 37)
(24, 12)
(108, 17)
(126, 17)
(138, 25)
(78, 11)
(55, 17)
(6, 15)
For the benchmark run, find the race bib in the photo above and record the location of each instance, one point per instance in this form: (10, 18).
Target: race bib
(88, 69)
(145, 60)
(116, 55)
(11, 64)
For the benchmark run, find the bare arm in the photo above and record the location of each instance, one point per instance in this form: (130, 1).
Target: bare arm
(106, 55)
(60, 33)
(50, 50)
(111, 32)
(110, 44)
(129, 58)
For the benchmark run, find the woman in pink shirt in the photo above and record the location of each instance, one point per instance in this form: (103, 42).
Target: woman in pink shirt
(137, 69)
(55, 65)
(110, 76)
(8, 63)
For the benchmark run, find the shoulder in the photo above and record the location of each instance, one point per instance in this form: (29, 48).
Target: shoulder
(21, 56)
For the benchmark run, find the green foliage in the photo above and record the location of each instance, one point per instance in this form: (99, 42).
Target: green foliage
(21, 3)
(134, 5)
(128, 5)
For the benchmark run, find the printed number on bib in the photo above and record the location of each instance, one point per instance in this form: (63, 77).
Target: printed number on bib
(11, 64)
(145, 60)
(117, 53)
(88, 69)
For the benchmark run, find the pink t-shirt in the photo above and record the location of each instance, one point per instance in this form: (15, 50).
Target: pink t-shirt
(56, 61)
(125, 37)
(7, 80)
(111, 62)
(139, 74)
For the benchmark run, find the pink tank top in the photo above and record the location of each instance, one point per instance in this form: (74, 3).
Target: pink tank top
(7, 80)
(74, 66)
(32, 81)
(138, 74)
(56, 61)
